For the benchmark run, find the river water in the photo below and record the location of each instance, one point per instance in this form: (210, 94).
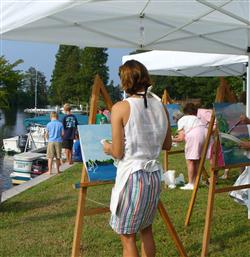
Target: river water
(11, 124)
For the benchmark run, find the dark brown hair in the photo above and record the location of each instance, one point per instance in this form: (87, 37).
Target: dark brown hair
(134, 77)
(190, 109)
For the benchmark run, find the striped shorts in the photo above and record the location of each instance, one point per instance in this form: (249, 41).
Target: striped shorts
(138, 202)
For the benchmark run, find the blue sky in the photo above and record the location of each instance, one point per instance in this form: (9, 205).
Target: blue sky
(42, 57)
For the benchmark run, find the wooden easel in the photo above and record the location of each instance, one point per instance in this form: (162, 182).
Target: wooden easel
(166, 99)
(223, 94)
(98, 88)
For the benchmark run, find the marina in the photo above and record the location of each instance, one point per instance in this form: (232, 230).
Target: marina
(11, 125)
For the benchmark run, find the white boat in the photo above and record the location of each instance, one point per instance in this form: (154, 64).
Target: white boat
(77, 109)
(42, 110)
(35, 139)
(25, 164)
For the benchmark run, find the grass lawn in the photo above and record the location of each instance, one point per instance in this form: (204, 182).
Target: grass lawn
(40, 221)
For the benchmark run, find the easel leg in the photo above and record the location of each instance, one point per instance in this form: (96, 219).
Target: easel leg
(79, 222)
(171, 229)
(165, 160)
(210, 205)
(192, 201)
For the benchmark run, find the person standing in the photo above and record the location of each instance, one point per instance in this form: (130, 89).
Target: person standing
(70, 128)
(54, 134)
(100, 117)
(140, 130)
(193, 131)
(77, 153)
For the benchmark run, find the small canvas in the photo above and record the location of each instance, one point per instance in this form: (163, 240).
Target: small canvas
(172, 108)
(99, 165)
(232, 132)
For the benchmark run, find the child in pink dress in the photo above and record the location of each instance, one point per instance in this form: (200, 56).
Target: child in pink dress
(193, 131)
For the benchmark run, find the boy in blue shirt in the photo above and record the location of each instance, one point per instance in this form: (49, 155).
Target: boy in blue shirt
(54, 135)
(70, 128)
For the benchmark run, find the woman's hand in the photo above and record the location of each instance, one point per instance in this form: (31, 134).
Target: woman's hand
(244, 119)
(107, 148)
(245, 144)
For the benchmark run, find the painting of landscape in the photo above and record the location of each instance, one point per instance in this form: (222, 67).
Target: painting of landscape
(172, 108)
(99, 165)
(232, 132)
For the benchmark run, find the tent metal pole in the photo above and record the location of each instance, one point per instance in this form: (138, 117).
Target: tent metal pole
(248, 115)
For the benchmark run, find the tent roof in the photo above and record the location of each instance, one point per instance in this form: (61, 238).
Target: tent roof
(186, 25)
(176, 63)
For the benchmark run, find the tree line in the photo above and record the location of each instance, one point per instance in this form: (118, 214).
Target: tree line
(73, 77)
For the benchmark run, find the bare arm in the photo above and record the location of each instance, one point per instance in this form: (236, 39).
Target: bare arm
(244, 119)
(119, 117)
(47, 134)
(168, 139)
(180, 136)
(245, 145)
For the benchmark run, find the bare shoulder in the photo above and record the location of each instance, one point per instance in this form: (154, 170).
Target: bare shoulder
(120, 107)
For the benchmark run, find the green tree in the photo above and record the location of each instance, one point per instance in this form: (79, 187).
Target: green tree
(10, 82)
(93, 61)
(65, 83)
(114, 92)
(34, 80)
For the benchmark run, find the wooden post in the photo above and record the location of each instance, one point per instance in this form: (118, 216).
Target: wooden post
(79, 215)
(211, 194)
(165, 100)
(94, 100)
(200, 169)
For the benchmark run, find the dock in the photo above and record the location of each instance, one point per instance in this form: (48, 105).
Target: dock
(31, 183)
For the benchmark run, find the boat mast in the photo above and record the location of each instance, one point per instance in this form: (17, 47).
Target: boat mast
(36, 91)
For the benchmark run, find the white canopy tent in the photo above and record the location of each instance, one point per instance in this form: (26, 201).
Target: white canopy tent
(187, 25)
(177, 63)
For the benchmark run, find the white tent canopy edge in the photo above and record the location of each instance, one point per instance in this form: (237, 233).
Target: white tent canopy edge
(177, 63)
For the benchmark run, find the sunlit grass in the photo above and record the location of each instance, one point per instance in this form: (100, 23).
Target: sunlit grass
(40, 221)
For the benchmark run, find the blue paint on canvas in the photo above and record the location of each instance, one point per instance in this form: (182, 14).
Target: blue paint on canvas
(172, 108)
(99, 165)
(102, 172)
(227, 115)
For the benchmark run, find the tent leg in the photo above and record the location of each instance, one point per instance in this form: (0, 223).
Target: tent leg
(248, 115)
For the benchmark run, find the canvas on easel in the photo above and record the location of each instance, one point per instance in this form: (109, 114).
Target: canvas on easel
(171, 108)
(88, 178)
(231, 132)
(99, 166)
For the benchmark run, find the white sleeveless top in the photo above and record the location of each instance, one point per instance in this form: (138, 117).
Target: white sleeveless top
(145, 132)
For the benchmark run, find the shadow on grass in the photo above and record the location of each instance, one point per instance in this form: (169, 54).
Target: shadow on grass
(53, 216)
(233, 233)
(23, 206)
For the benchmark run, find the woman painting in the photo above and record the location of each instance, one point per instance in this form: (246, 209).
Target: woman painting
(140, 130)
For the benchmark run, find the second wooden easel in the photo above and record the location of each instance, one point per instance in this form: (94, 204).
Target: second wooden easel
(223, 94)
(98, 88)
